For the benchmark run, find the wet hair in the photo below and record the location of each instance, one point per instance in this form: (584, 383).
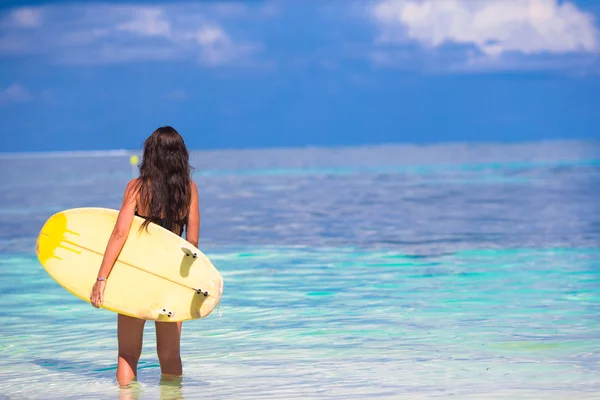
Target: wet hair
(165, 178)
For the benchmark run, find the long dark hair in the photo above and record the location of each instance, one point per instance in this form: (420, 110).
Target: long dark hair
(165, 178)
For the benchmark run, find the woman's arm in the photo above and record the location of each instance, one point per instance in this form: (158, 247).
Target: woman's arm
(116, 241)
(193, 224)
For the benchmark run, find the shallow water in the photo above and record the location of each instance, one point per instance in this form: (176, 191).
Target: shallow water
(385, 272)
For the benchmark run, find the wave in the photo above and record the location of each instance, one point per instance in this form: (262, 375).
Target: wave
(69, 154)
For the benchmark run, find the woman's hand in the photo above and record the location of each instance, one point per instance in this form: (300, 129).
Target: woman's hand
(96, 297)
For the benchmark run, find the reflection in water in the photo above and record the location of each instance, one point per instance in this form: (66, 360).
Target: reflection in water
(131, 391)
(170, 387)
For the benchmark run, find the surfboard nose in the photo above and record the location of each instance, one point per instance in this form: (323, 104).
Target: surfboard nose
(50, 237)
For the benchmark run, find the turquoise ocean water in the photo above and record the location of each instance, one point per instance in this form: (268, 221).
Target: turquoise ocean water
(389, 272)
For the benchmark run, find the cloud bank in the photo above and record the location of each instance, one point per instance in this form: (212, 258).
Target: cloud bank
(15, 93)
(442, 35)
(108, 34)
(489, 30)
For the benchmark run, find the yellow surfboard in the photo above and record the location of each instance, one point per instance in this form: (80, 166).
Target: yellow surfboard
(158, 275)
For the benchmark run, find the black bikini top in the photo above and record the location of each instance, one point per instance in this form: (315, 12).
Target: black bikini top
(163, 222)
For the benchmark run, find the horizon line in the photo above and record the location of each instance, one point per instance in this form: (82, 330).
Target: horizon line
(122, 152)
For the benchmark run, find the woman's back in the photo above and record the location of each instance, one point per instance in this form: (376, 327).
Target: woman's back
(143, 210)
(165, 184)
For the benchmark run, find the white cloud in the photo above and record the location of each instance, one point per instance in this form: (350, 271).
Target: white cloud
(492, 28)
(15, 93)
(106, 34)
(218, 48)
(26, 17)
(210, 35)
(147, 21)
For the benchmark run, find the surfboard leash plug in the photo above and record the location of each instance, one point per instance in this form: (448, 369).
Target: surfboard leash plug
(188, 252)
(167, 313)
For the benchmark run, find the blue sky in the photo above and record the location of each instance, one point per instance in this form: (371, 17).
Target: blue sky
(86, 75)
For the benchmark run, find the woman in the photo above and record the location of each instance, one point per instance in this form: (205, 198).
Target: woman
(163, 194)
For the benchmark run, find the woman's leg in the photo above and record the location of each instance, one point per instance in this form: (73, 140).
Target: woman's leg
(130, 332)
(168, 335)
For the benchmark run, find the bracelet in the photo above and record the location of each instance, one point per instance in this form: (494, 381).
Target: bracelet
(101, 279)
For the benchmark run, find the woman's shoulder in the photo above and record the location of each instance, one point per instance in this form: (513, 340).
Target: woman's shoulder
(134, 184)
